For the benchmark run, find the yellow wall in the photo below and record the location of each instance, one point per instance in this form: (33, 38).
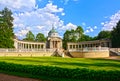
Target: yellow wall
(95, 54)
(26, 54)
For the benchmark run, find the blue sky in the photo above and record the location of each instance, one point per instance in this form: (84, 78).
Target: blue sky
(39, 15)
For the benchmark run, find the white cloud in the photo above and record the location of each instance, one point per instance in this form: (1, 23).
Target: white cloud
(52, 8)
(68, 26)
(18, 5)
(95, 27)
(21, 33)
(27, 17)
(84, 24)
(62, 14)
(108, 25)
(66, 1)
(90, 29)
(40, 27)
(86, 31)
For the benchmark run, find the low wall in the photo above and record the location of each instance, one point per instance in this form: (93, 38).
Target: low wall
(26, 54)
(92, 54)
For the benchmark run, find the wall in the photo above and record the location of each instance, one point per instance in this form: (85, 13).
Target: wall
(92, 54)
(26, 54)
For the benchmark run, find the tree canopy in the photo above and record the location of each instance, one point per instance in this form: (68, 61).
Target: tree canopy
(115, 36)
(40, 37)
(72, 36)
(6, 29)
(104, 34)
(29, 36)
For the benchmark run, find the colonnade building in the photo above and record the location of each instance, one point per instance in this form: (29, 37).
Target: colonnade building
(89, 44)
(53, 42)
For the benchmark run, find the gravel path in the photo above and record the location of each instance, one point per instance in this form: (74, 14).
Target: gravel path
(5, 77)
(114, 58)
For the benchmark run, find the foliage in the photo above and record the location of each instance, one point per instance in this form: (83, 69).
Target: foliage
(85, 38)
(75, 36)
(116, 36)
(40, 37)
(104, 34)
(72, 36)
(29, 36)
(6, 29)
(61, 72)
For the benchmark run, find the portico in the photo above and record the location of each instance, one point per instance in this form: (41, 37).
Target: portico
(89, 44)
(29, 45)
(54, 41)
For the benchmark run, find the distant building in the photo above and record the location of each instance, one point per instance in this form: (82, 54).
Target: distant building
(89, 44)
(53, 42)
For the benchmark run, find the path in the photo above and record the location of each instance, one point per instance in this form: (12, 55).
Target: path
(5, 77)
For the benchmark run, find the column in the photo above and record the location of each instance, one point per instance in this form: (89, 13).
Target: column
(37, 46)
(51, 44)
(28, 46)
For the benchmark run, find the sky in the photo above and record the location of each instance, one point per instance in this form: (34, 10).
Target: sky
(39, 16)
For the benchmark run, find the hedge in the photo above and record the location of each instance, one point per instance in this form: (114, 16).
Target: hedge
(78, 73)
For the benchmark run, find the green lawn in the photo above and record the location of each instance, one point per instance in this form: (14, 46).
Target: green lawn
(95, 65)
(71, 63)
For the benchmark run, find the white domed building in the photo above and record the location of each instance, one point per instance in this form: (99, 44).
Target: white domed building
(54, 41)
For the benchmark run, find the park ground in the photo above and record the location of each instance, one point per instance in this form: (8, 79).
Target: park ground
(111, 63)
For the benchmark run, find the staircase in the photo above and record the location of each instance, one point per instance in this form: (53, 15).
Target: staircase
(62, 53)
(67, 54)
(114, 51)
(58, 53)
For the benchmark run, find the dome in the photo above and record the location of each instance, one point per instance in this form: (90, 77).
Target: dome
(53, 30)
(53, 33)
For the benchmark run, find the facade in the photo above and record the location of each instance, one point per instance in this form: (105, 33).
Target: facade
(53, 42)
(53, 45)
(28, 45)
(89, 44)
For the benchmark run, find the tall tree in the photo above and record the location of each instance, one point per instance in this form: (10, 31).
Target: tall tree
(72, 36)
(79, 32)
(85, 38)
(29, 36)
(104, 34)
(66, 38)
(40, 37)
(6, 29)
(115, 36)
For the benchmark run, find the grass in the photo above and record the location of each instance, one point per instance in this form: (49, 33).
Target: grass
(69, 63)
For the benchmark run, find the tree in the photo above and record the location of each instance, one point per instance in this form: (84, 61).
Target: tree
(104, 34)
(6, 29)
(85, 38)
(66, 38)
(79, 31)
(40, 37)
(115, 36)
(72, 36)
(29, 36)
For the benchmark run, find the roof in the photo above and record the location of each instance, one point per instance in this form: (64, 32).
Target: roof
(53, 30)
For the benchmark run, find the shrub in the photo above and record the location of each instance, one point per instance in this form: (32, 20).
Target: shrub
(78, 73)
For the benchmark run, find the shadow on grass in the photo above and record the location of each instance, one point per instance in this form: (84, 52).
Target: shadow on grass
(98, 63)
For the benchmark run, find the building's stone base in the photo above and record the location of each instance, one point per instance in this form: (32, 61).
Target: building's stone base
(26, 54)
(95, 54)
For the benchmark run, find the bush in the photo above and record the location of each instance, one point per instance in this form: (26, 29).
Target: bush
(81, 74)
